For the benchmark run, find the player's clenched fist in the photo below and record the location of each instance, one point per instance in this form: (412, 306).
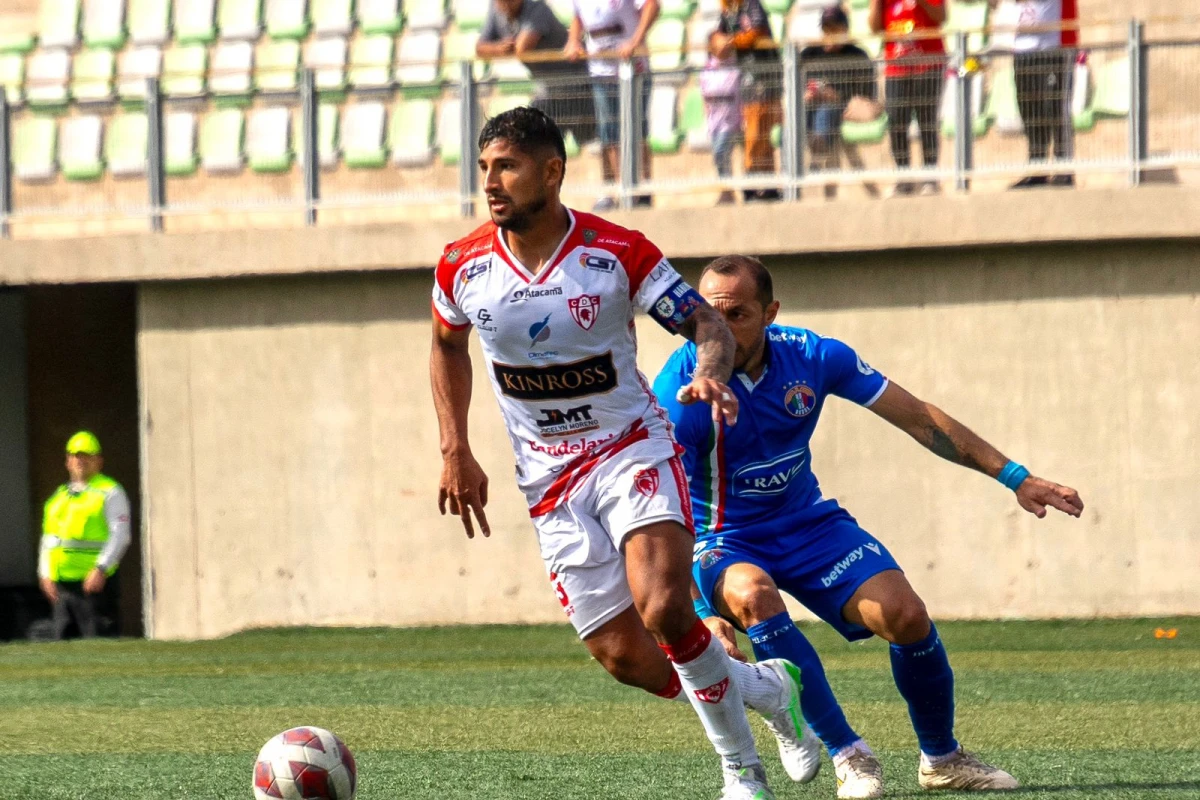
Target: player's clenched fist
(713, 392)
(463, 490)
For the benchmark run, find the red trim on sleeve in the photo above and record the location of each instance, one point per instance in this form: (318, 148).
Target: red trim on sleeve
(438, 316)
(644, 256)
(1070, 15)
(444, 275)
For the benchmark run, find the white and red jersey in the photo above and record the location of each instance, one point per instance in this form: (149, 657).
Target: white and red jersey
(561, 345)
(1038, 21)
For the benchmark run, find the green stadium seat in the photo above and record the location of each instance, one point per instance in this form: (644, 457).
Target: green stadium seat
(362, 135)
(221, 137)
(510, 75)
(327, 136)
(287, 19)
(1001, 108)
(230, 80)
(1083, 114)
(371, 61)
(184, 69)
(12, 77)
(332, 17)
(268, 144)
(777, 7)
(135, 67)
(104, 23)
(179, 143)
(47, 73)
(563, 9)
(665, 42)
(58, 23)
(693, 120)
(125, 145)
(865, 132)
(860, 3)
(328, 58)
(425, 15)
(239, 20)
(449, 131)
(1112, 97)
(380, 16)
(665, 135)
(149, 21)
(79, 148)
(698, 31)
(16, 42)
(276, 66)
(195, 21)
(35, 142)
(417, 61)
(92, 76)
(459, 47)
(967, 16)
(778, 23)
(470, 14)
(948, 111)
(675, 10)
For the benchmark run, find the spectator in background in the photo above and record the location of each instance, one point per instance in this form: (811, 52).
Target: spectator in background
(562, 91)
(1044, 52)
(85, 532)
(721, 87)
(916, 62)
(839, 84)
(614, 28)
(745, 30)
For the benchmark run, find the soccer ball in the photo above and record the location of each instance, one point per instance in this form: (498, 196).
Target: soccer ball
(305, 764)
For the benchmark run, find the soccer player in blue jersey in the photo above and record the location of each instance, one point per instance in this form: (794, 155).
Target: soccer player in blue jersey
(763, 526)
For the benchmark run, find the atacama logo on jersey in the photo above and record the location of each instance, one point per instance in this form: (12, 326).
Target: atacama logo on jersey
(589, 376)
(769, 477)
(534, 292)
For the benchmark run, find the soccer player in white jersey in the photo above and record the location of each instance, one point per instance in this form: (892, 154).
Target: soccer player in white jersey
(552, 293)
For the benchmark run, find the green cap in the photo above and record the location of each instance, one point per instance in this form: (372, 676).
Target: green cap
(84, 442)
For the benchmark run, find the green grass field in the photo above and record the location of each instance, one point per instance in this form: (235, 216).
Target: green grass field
(1074, 709)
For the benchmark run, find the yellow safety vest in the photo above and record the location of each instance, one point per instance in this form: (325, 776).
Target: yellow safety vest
(77, 529)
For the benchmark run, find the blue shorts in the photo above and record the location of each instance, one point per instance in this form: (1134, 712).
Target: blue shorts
(819, 561)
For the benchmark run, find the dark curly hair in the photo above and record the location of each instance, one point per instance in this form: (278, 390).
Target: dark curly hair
(526, 128)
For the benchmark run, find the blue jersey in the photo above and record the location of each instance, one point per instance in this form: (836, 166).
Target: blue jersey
(760, 469)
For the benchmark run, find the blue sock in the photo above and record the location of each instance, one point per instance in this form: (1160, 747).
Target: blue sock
(925, 680)
(779, 637)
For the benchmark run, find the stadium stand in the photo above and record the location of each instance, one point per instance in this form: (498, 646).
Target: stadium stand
(149, 22)
(362, 135)
(371, 61)
(35, 143)
(12, 77)
(332, 17)
(195, 21)
(327, 58)
(268, 143)
(222, 134)
(136, 65)
(126, 144)
(287, 19)
(180, 143)
(379, 16)
(239, 20)
(48, 72)
(185, 68)
(104, 23)
(79, 148)
(231, 81)
(276, 66)
(58, 24)
(92, 76)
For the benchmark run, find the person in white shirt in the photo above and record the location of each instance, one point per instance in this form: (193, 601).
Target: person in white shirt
(616, 31)
(1044, 51)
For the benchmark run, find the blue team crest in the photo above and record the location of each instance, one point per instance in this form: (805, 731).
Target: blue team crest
(710, 557)
(800, 400)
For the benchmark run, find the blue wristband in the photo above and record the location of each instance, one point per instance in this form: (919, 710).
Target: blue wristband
(703, 609)
(1013, 475)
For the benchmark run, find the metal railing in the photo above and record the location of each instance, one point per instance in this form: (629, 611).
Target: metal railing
(800, 107)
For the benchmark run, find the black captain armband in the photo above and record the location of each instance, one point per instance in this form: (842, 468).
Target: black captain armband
(676, 305)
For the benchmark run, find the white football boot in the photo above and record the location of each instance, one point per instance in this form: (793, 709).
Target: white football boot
(746, 783)
(965, 771)
(859, 774)
(799, 747)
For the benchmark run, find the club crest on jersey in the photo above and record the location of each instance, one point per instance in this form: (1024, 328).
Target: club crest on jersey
(646, 481)
(584, 309)
(453, 255)
(800, 400)
(589, 236)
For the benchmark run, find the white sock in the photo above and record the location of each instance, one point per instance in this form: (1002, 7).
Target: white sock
(704, 672)
(761, 689)
(933, 761)
(859, 745)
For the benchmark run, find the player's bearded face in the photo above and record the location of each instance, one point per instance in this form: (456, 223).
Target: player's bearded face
(515, 184)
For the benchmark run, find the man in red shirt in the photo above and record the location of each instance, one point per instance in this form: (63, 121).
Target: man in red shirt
(916, 62)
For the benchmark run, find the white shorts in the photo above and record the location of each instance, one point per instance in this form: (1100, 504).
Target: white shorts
(581, 540)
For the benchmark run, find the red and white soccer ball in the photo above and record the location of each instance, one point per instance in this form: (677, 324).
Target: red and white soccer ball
(305, 764)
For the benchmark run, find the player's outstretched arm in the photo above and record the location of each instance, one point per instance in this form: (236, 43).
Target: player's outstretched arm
(955, 442)
(715, 349)
(463, 486)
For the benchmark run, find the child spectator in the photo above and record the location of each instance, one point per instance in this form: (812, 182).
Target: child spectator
(720, 86)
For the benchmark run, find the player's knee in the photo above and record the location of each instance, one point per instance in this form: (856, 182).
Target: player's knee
(907, 621)
(667, 615)
(627, 666)
(752, 599)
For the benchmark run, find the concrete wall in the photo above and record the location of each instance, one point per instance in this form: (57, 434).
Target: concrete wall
(291, 455)
(19, 562)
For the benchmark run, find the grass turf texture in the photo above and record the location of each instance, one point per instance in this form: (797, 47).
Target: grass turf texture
(1074, 709)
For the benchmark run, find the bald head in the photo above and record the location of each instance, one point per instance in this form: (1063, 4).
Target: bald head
(748, 268)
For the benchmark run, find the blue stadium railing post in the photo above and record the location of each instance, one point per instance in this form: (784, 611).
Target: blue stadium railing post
(792, 154)
(155, 160)
(1139, 117)
(964, 135)
(630, 150)
(5, 167)
(468, 172)
(311, 160)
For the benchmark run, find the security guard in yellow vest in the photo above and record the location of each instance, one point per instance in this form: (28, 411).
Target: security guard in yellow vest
(85, 532)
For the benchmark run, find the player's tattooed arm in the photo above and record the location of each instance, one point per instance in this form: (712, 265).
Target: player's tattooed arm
(938, 431)
(714, 343)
